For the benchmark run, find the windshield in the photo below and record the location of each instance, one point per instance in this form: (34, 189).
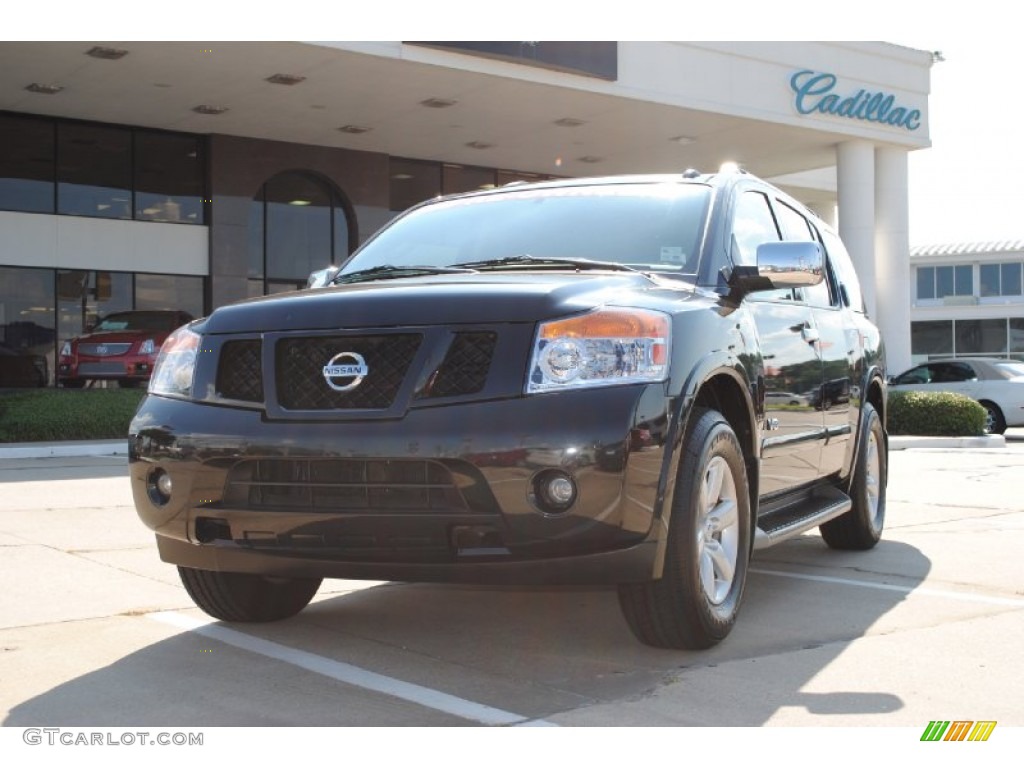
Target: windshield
(656, 227)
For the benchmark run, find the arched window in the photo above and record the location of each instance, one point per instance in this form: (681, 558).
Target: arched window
(298, 223)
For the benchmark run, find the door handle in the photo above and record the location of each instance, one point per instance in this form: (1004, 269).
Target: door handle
(810, 335)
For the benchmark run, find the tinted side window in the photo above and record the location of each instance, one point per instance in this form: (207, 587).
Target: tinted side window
(752, 225)
(844, 270)
(919, 375)
(948, 373)
(793, 223)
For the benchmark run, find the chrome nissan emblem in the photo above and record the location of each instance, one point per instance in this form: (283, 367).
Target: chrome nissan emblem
(348, 367)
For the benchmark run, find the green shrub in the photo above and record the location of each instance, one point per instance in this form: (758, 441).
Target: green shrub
(63, 414)
(944, 414)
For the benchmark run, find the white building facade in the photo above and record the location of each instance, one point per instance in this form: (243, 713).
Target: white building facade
(967, 300)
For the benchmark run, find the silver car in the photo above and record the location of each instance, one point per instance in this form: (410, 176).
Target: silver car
(996, 383)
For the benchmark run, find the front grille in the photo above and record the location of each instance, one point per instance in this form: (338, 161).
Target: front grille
(240, 371)
(465, 367)
(101, 369)
(103, 350)
(339, 485)
(299, 371)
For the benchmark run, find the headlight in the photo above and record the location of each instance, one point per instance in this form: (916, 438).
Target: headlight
(147, 347)
(172, 374)
(65, 349)
(602, 348)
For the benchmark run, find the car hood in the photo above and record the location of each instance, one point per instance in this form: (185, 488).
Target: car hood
(436, 300)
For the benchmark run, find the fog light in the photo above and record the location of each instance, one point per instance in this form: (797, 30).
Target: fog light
(553, 491)
(159, 487)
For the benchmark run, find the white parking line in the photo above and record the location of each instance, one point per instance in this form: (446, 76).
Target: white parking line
(347, 673)
(965, 596)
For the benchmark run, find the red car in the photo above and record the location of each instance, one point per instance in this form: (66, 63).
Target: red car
(121, 347)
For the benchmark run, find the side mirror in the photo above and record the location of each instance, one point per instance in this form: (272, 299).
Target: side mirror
(791, 265)
(322, 277)
(780, 265)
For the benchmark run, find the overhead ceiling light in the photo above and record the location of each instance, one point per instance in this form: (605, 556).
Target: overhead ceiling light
(49, 90)
(354, 129)
(569, 122)
(102, 52)
(206, 109)
(683, 140)
(479, 145)
(402, 176)
(590, 159)
(436, 103)
(281, 79)
(300, 202)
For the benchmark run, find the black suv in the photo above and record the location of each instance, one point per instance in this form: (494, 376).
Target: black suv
(556, 383)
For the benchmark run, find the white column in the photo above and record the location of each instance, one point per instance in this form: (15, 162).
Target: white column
(892, 255)
(855, 166)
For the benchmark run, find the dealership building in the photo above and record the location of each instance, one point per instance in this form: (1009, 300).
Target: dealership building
(184, 175)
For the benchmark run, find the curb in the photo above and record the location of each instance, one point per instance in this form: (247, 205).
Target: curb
(69, 448)
(903, 442)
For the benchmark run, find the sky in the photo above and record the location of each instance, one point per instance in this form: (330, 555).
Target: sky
(968, 186)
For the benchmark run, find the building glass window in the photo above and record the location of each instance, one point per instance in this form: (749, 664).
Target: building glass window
(298, 226)
(963, 280)
(988, 277)
(175, 292)
(1017, 336)
(1010, 279)
(257, 232)
(412, 182)
(26, 164)
(981, 337)
(94, 171)
(26, 327)
(84, 296)
(168, 177)
(926, 282)
(931, 337)
(298, 223)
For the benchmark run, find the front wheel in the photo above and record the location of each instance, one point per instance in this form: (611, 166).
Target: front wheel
(695, 603)
(995, 424)
(247, 597)
(861, 526)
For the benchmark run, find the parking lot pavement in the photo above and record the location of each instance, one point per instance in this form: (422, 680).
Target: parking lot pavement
(95, 630)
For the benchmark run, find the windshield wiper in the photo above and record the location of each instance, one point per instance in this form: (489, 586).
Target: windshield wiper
(391, 271)
(545, 261)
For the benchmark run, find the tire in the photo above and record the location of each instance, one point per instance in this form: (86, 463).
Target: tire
(73, 383)
(695, 603)
(247, 597)
(995, 424)
(861, 527)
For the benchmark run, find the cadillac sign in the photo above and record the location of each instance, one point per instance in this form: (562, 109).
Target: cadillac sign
(816, 92)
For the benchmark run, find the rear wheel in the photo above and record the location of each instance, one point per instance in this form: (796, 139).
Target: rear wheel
(995, 424)
(247, 597)
(695, 603)
(861, 527)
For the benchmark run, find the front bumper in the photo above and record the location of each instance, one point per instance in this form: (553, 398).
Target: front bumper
(136, 367)
(442, 494)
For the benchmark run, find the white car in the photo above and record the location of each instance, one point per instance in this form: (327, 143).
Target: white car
(996, 383)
